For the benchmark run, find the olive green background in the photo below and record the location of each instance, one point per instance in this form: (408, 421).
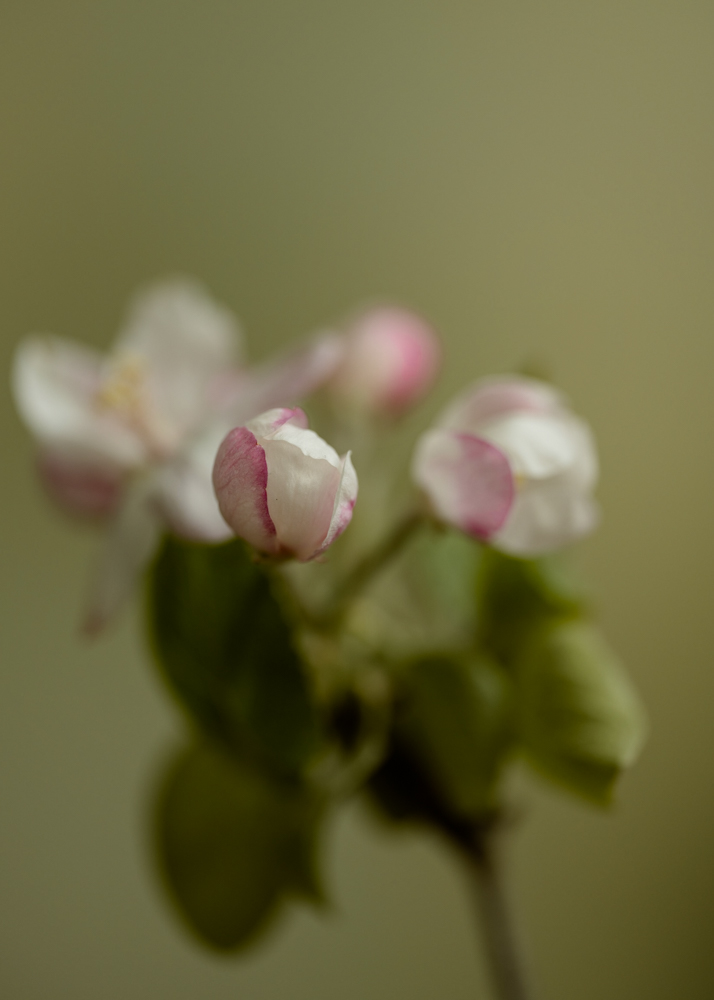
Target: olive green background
(537, 179)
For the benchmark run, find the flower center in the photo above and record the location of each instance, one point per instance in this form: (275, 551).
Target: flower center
(124, 392)
(123, 389)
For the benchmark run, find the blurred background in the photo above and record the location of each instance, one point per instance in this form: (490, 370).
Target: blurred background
(537, 180)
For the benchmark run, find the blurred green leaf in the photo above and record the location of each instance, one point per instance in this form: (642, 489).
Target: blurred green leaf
(225, 648)
(579, 718)
(515, 597)
(456, 723)
(232, 843)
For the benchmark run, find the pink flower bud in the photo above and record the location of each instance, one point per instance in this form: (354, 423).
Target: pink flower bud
(509, 463)
(391, 359)
(282, 488)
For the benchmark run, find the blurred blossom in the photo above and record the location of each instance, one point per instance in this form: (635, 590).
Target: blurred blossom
(282, 488)
(131, 437)
(391, 358)
(509, 463)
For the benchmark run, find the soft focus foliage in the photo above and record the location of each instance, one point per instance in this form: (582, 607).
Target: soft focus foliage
(232, 842)
(578, 717)
(226, 651)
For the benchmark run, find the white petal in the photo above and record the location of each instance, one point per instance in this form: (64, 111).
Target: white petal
(128, 546)
(291, 425)
(546, 515)
(538, 445)
(185, 340)
(497, 396)
(343, 506)
(185, 491)
(240, 479)
(301, 495)
(55, 384)
(310, 444)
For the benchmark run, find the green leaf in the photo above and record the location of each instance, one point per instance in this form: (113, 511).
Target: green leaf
(225, 649)
(455, 722)
(579, 718)
(515, 597)
(232, 843)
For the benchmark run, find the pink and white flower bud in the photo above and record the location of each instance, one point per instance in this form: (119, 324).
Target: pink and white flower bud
(509, 463)
(391, 359)
(282, 488)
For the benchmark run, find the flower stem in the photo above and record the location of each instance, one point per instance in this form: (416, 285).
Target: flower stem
(500, 938)
(366, 568)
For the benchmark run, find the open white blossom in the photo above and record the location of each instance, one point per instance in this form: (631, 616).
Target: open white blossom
(131, 437)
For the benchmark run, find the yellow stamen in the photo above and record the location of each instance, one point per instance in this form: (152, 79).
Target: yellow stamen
(124, 387)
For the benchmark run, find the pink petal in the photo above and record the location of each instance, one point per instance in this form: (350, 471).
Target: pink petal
(271, 421)
(418, 351)
(391, 359)
(240, 479)
(80, 488)
(468, 481)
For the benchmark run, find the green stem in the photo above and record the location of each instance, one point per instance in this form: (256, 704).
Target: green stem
(500, 938)
(359, 577)
(363, 572)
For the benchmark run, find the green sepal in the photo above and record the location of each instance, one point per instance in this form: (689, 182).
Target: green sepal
(233, 843)
(515, 597)
(223, 644)
(579, 719)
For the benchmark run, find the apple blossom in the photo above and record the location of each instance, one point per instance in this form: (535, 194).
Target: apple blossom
(509, 463)
(131, 437)
(282, 488)
(390, 360)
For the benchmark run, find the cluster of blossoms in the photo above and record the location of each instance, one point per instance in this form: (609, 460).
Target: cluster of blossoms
(412, 669)
(172, 430)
